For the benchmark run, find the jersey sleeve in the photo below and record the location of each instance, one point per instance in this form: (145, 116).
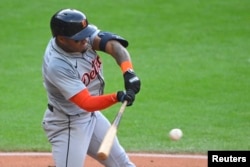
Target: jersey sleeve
(92, 37)
(65, 78)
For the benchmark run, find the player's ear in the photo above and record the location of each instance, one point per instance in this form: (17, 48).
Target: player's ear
(60, 39)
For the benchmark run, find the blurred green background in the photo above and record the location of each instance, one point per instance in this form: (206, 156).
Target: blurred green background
(192, 58)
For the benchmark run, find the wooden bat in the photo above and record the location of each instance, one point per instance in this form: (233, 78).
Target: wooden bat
(108, 140)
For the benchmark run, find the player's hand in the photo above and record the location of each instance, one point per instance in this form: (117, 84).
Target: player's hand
(128, 95)
(131, 81)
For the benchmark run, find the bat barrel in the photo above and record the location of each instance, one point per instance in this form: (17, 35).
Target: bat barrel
(102, 156)
(108, 140)
(107, 143)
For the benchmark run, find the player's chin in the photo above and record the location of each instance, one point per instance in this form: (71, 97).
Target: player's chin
(84, 48)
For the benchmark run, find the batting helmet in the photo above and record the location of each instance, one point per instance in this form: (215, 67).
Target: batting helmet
(72, 24)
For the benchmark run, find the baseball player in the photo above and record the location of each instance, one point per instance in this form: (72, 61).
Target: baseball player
(73, 78)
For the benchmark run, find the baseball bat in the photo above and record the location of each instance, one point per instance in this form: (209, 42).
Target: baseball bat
(108, 140)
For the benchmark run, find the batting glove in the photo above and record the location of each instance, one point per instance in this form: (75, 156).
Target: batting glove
(131, 81)
(128, 95)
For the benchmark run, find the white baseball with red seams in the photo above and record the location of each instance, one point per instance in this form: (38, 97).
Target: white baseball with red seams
(175, 134)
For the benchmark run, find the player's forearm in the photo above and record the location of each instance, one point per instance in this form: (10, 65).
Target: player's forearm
(116, 50)
(93, 103)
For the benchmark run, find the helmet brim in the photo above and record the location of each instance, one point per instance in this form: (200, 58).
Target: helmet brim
(85, 33)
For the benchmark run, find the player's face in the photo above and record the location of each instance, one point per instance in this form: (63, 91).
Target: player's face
(70, 45)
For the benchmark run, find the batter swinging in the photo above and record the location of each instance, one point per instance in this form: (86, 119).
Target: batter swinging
(73, 78)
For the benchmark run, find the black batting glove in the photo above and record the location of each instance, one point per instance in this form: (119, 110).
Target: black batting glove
(128, 95)
(131, 81)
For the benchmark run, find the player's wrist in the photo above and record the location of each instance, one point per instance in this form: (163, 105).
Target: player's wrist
(126, 66)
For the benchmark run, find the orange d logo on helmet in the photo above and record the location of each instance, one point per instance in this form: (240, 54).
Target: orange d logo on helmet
(84, 23)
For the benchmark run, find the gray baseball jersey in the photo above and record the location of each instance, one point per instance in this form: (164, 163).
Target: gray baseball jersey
(66, 74)
(72, 131)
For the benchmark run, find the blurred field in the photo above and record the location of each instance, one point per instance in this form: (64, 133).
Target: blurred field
(192, 57)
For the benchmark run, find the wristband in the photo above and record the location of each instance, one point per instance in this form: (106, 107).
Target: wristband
(126, 65)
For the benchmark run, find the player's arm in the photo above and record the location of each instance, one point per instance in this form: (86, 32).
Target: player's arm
(93, 103)
(79, 94)
(116, 47)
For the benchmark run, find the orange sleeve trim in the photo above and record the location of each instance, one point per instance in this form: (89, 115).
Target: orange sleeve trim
(93, 103)
(126, 65)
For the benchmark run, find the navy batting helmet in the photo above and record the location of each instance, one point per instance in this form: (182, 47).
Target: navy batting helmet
(72, 24)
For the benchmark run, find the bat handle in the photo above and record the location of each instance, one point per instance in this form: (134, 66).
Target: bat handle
(124, 104)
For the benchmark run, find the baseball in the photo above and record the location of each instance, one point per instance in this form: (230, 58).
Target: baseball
(175, 134)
